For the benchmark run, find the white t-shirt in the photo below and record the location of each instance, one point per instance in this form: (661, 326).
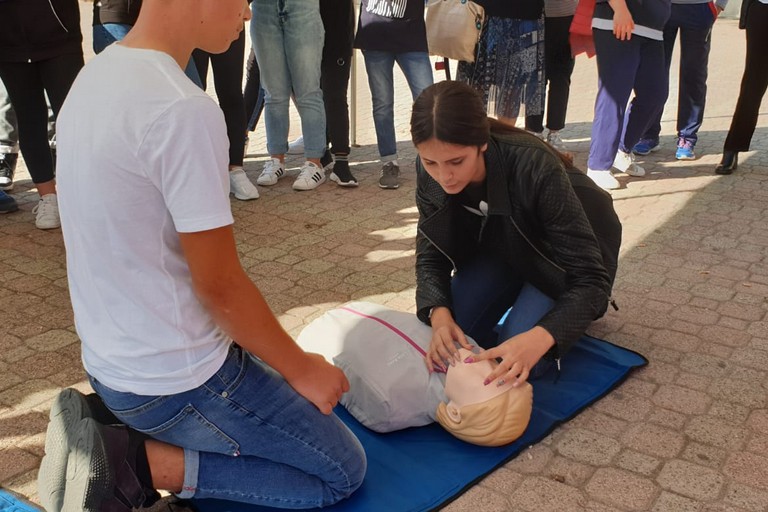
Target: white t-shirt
(142, 156)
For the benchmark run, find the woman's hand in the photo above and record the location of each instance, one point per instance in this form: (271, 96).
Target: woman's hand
(442, 348)
(518, 355)
(623, 24)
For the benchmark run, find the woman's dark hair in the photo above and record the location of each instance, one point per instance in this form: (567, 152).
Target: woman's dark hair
(454, 112)
(451, 112)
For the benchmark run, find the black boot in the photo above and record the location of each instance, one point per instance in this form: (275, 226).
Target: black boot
(729, 162)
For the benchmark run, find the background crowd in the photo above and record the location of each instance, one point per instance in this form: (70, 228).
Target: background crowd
(523, 59)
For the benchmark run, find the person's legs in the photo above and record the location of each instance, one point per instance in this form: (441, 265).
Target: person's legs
(379, 67)
(26, 91)
(108, 33)
(753, 82)
(558, 68)
(228, 80)
(253, 95)
(249, 437)
(335, 83)
(303, 33)
(267, 36)
(482, 291)
(695, 42)
(417, 69)
(649, 141)
(617, 63)
(651, 82)
(9, 140)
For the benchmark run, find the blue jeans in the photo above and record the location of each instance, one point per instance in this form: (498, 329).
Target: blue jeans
(249, 437)
(417, 69)
(108, 33)
(694, 22)
(288, 39)
(483, 292)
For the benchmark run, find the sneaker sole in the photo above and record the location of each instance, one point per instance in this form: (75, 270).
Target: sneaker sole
(685, 157)
(348, 184)
(390, 187)
(6, 188)
(89, 479)
(245, 198)
(67, 410)
(652, 150)
(302, 188)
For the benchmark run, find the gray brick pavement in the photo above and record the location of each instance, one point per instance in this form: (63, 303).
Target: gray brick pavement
(687, 433)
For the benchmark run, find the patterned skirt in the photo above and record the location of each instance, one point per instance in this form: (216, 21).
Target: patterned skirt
(509, 67)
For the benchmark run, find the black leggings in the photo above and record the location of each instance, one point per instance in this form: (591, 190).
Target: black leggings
(228, 80)
(27, 84)
(334, 80)
(754, 82)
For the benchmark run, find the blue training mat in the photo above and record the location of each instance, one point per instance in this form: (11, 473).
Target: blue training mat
(420, 469)
(9, 502)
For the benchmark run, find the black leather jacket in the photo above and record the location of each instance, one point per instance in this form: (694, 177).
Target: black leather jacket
(535, 220)
(35, 30)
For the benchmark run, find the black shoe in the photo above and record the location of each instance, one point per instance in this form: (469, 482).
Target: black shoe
(68, 409)
(7, 169)
(7, 203)
(729, 162)
(101, 470)
(326, 161)
(341, 174)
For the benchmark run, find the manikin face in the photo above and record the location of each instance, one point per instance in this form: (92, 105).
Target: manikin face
(453, 166)
(464, 382)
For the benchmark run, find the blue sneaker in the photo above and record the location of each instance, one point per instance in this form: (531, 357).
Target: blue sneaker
(7, 203)
(645, 146)
(684, 150)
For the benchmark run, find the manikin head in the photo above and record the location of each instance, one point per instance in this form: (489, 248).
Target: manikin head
(483, 415)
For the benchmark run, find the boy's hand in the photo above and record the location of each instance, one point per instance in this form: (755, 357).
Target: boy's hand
(319, 382)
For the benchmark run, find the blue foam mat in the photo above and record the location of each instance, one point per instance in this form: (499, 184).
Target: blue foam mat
(10, 502)
(421, 469)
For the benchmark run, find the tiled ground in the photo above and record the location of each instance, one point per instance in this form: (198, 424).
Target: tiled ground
(687, 433)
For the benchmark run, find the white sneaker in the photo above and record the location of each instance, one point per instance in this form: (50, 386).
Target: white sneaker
(603, 179)
(625, 162)
(274, 169)
(241, 186)
(47, 212)
(297, 146)
(310, 177)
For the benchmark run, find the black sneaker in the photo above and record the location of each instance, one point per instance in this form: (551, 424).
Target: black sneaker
(7, 203)
(326, 161)
(68, 409)
(7, 169)
(390, 175)
(101, 470)
(341, 174)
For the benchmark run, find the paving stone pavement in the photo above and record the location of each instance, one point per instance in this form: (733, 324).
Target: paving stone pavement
(687, 433)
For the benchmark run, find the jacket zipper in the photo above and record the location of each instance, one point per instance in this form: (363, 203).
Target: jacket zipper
(53, 10)
(439, 249)
(558, 267)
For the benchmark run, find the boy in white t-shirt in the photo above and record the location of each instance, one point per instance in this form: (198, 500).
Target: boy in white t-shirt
(159, 294)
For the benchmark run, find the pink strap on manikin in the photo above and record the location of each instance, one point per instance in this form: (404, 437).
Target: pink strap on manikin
(390, 327)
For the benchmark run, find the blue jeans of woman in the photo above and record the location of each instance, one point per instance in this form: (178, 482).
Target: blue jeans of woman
(249, 437)
(380, 65)
(483, 292)
(288, 39)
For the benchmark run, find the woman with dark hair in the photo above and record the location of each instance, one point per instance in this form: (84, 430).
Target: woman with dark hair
(504, 220)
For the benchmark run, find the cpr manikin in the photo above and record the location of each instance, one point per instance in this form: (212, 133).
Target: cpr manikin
(486, 415)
